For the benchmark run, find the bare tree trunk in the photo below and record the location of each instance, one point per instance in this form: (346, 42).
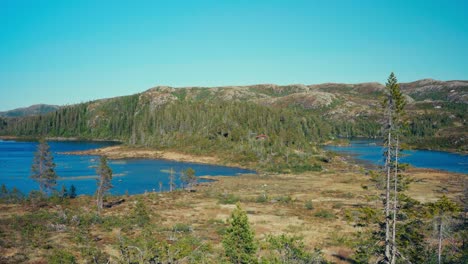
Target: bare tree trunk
(98, 201)
(439, 249)
(395, 201)
(171, 180)
(99, 197)
(387, 199)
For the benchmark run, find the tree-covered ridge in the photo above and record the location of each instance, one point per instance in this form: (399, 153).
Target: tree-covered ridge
(227, 119)
(200, 126)
(29, 111)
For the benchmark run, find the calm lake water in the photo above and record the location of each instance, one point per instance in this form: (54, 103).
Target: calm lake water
(370, 152)
(131, 175)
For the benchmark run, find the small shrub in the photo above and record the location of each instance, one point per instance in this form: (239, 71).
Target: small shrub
(309, 205)
(338, 205)
(229, 199)
(140, 215)
(60, 256)
(284, 199)
(37, 198)
(348, 195)
(290, 249)
(262, 198)
(110, 222)
(325, 214)
(180, 227)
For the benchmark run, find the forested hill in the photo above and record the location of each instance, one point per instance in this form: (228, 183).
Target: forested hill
(233, 120)
(29, 111)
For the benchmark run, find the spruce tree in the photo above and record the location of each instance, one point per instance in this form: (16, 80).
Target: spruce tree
(104, 181)
(238, 241)
(72, 194)
(64, 192)
(3, 192)
(43, 168)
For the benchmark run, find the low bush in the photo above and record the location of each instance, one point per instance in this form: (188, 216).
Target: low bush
(60, 256)
(309, 205)
(283, 199)
(325, 214)
(262, 198)
(228, 198)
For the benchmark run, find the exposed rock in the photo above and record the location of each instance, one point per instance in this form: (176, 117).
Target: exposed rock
(157, 97)
(308, 100)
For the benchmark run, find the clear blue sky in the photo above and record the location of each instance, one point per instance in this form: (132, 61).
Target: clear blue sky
(63, 52)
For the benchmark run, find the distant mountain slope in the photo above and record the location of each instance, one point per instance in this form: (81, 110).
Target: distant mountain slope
(297, 116)
(429, 89)
(32, 110)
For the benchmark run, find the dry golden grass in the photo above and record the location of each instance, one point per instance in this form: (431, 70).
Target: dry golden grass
(335, 190)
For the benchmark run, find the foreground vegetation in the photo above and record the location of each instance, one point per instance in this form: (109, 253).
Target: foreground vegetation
(335, 214)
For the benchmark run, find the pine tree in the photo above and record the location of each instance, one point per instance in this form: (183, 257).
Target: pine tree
(238, 241)
(43, 168)
(104, 181)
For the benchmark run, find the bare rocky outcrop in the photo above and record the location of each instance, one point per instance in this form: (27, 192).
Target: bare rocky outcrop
(452, 91)
(306, 100)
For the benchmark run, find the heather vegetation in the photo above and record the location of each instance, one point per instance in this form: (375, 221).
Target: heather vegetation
(186, 227)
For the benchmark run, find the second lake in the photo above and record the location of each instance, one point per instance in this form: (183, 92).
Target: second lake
(371, 152)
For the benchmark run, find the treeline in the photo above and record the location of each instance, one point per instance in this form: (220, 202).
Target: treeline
(108, 119)
(35, 198)
(425, 127)
(243, 131)
(288, 135)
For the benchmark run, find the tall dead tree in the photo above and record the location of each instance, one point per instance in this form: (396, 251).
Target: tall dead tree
(172, 184)
(104, 182)
(393, 106)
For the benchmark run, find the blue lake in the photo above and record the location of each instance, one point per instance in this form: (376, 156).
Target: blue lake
(130, 175)
(370, 152)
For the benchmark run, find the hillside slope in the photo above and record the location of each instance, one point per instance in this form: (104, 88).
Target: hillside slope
(38, 109)
(228, 120)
